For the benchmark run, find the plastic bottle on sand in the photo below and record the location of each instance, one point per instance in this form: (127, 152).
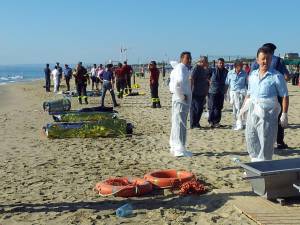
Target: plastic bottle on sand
(124, 210)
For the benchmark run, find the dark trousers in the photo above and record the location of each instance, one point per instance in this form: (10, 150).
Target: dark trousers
(280, 132)
(128, 84)
(121, 85)
(108, 87)
(154, 91)
(295, 79)
(48, 83)
(81, 90)
(215, 106)
(68, 83)
(196, 110)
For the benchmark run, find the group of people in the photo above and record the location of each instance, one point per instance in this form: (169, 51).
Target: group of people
(259, 100)
(100, 76)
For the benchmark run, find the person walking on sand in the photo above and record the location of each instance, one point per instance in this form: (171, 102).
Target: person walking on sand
(238, 83)
(47, 72)
(200, 84)
(154, 77)
(67, 72)
(216, 94)
(180, 88)
(81, 80)
(55, 77)
(265, 84)
(278, 64)
(108, 83)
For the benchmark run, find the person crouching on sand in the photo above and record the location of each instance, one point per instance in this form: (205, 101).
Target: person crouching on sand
(180, 88)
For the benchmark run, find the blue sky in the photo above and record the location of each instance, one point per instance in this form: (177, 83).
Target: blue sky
(40, 31)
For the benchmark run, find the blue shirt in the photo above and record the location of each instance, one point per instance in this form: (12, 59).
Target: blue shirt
(271, 85)
(276, 64)
(67, 72)
(108, 75)
(236, 81)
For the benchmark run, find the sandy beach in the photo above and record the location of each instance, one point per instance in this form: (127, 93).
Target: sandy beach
(47, 181)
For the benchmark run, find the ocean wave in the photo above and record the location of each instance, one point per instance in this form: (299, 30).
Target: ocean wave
(11, 78)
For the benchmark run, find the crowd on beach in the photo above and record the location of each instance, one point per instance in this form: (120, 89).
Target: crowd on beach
(257, 92)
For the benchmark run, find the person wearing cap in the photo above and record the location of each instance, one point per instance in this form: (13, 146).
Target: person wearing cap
(81, 80)
(120, 80)
(238, 83)
(108, 83)
(261, 102)
(154, 77)
(216, 92)
(200, 84)
(67, 72)
(127, 69)
(279, 65)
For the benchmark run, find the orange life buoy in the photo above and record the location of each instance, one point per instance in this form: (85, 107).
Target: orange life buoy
(123, 187)
(168, 178)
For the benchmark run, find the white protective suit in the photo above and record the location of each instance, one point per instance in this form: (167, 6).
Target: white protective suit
(55, 76)
(261, 127)
(236, 99)
(181, 100)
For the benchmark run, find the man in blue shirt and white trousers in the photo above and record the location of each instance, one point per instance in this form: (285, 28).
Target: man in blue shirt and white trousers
(265, 84)
(238, 83)
(277, 64)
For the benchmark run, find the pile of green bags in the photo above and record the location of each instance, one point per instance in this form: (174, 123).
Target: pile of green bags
(77, 116)
(60, 105)
(103, 128)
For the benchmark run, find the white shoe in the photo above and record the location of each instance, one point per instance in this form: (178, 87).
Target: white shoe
(183, 154)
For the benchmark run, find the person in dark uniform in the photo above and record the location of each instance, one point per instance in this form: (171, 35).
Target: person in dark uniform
(81, 80)
(277, 64)
(200, 84)
(216, 93)
(47, 72)
(128, 73)
(108, 83)
(154, 77)
(120, 80)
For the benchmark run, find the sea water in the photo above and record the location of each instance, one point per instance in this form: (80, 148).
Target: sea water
(19, 73)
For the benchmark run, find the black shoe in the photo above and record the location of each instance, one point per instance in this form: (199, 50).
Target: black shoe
(158, 105)
(116, 105)
(86, 101)
(153, 105)
(282, 146)
(80, 101)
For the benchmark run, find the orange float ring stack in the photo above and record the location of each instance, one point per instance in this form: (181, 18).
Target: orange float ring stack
(123, 187)
(168, 178)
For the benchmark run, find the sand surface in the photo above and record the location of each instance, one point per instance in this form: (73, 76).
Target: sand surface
(51, 181)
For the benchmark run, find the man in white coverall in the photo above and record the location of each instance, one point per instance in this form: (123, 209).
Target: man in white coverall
(55, 77)
(265, 84)
(237, 82)
(180, 88)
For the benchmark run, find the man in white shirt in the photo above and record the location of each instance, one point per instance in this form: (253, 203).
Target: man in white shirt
(56, 78)
(180, 88)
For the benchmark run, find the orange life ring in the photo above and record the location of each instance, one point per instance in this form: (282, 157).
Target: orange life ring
(123, 187)
(168, 178)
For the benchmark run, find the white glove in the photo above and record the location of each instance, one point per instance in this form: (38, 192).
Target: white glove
(284, 120)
